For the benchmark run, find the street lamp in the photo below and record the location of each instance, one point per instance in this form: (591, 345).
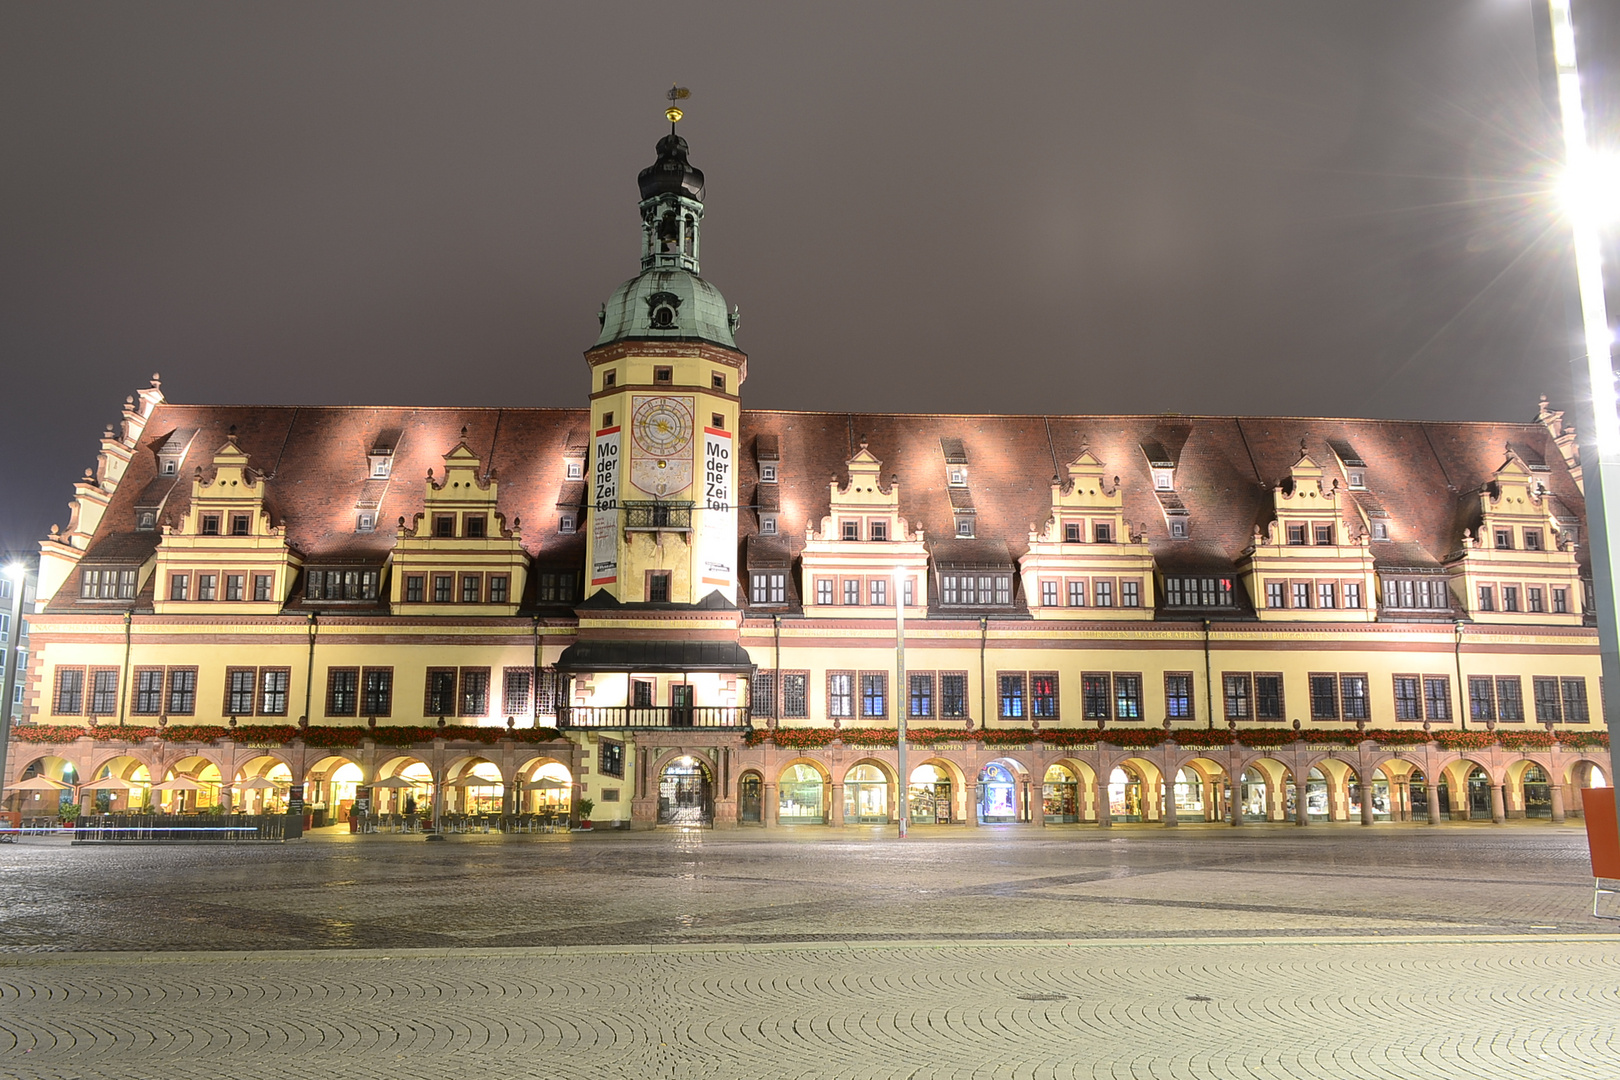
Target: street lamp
(1589, 199)
(901, 701)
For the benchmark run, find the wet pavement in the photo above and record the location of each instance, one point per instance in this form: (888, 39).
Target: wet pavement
(335, 891)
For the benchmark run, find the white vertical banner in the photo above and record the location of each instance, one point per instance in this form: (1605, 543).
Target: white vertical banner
(605, 509)
(719, 551)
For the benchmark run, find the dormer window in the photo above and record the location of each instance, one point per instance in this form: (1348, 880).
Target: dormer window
(146, 521)
(958, 477)
(365, 523)
(168, 466)
(239, 525)
(1380, 530)
(767, 525)
(1178, 529)
(964, 527)
(566, 525)
(1164, 480)
(1358, 480)
(210, 525)
(444, 525)
(767, 472)
(381, 466)
(576, 470)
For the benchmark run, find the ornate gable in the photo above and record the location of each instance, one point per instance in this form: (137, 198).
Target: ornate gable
(1308, 562)
(852, 562)
(1518, 563)
(1085, 562)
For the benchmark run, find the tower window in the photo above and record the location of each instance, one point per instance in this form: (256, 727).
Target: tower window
(662, 374)
(610, 378)
(717, 381)
(658, 586)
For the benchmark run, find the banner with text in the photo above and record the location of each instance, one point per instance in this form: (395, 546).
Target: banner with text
(605, 509)
(719, 552)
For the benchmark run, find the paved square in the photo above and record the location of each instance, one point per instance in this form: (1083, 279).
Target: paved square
(1200, 952)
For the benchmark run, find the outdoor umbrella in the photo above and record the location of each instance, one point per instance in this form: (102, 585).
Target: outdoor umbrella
(179, 783)
(39, 783)
(257, 783)
(472, 781)
(397, 782)
(111, 783)
(544, 785)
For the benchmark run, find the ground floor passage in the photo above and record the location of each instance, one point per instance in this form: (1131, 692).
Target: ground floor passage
(942, 792)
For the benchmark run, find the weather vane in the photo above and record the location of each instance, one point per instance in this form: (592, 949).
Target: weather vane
(676, 93)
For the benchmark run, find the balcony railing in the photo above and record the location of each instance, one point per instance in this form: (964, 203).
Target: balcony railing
(651, 716)
(658, 515)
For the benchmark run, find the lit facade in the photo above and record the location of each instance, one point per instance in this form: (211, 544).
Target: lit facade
(685, 611)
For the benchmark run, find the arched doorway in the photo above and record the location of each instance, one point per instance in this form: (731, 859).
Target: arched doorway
(751, 799)
(1417, 792)
(261, 786)
(866, 796)
(998, 794)
(1589, 774)
(1253, 795)
(1537, 792)
(685, 795)
(1318, 806)
(122, 785)
(1191, 795)
(46, 803)
(1060, 792)
(930, 795)
(1125, 793)
(331, 789)
(801, 796)
(1479, 794)
(477, 790)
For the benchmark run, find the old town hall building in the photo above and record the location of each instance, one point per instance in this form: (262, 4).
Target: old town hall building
(687, 612)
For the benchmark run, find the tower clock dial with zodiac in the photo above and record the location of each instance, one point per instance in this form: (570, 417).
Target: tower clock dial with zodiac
(661, 429)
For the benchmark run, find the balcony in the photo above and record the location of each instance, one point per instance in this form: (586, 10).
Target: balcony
(656, 516)
(652, 716)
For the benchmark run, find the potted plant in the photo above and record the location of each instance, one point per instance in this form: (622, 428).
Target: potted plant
(585, 807)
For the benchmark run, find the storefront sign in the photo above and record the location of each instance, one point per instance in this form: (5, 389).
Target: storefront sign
(295, 799)
(605, 513)
(362, 801)
(719, 551)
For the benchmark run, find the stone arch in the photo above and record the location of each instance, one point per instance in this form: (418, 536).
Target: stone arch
(1468, 796)
(474, 784)
(1278, 794)
(1063, 790)
(1086, 790)
(1527, 789)
(206, 769)
(129, 766)
(543, 783)
(802, 789)
(1003, 791)
(751, 795)
(269, 765)
(1198, 784)
(686, 789)
(44, 804)
(1132, 789)
(868, 791)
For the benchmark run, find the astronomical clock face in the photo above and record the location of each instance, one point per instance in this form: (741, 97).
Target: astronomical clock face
(661, 429)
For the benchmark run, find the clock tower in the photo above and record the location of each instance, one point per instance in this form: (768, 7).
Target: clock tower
(665, 376)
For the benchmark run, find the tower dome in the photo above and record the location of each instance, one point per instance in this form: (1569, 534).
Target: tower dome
(668, 301)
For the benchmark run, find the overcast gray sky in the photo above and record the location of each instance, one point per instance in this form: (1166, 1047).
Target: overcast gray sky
(1223, 206)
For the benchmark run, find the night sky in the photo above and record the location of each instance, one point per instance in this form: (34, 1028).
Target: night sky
(1197, 206)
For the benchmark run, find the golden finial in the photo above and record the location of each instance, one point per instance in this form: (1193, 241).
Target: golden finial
(676, 93)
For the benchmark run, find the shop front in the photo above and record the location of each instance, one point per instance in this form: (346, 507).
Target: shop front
(1060, 794)
(801, 796)
(866, 796)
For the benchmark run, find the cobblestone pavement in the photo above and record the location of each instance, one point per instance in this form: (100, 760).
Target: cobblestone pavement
(1473, 1007)
(704, 888)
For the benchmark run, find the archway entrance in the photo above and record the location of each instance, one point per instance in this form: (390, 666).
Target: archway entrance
(1479, 794)
(750, 799)
(1417, 792)
(1061, 793)
(998, 794)
(1377, 791)
(684, 793)
(1189, 794)
(1125, 794)
(930, 795)
(1537, 793)
(800, 796)
(866, 796)
(1317, 806)
(1252, 795)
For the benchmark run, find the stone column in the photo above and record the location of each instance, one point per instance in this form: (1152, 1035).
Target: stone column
(1498, 806)
(971, 791)
(1038, 805)
(836, 811)
(769, 805)
(1430, 778)
(1302, 813)
(1366, 802)
(1105, 813)
(1235, 798)
(1557, 793)
(1167, 791)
